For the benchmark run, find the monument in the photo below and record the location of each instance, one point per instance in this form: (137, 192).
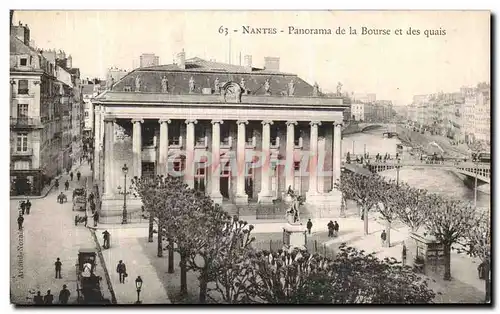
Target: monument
(294, 232)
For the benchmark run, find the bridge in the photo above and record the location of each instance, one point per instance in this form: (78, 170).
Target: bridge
(469, 169)
(367, 126)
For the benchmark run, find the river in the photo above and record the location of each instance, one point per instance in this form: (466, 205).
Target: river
(437, 181)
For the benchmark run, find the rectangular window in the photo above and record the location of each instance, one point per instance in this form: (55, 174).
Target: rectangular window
(22, 111)
(86, 113)
(23, 61)
(22, 165)
(22, 142)
(23, 87)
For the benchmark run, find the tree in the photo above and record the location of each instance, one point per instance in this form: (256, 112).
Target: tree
(413, 207)
(363, 189)
(390, 196)
(449, 222)
(477, 243)
(299, 277)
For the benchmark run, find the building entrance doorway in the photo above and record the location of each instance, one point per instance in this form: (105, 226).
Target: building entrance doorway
(148, 169)
(224, 187)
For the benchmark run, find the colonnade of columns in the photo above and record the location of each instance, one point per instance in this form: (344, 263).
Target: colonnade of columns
(265, 195)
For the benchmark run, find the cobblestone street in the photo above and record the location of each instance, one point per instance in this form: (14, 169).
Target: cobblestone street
(49, 232)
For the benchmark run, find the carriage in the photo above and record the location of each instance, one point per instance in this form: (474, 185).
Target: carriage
(88, 283)
(79, 199)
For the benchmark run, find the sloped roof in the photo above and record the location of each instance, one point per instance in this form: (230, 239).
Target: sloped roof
(18, 47)
(205, 73)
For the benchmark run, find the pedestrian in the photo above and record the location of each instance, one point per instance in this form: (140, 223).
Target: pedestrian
(28, 206)
(85, 218)
(96, 219)
(92, 206)
(481, 270)
(336, 228)
(331, 227)
(66, 185)
(38, 299)
(58, 266)
(48, 298)
(106, 239)
(383, 237)
(121, 269)
(57, 184)
(404, 253)
(64, 295)
(78, 175)
(20, 221)
(71, 175)
(309, 225)
(23, 207)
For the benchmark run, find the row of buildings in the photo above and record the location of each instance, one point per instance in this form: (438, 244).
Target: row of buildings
(463, 116)
(366, 108)
(46, 113)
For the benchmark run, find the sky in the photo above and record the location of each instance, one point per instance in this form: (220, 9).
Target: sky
(395, 67)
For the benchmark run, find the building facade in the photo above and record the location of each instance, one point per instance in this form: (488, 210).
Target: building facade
(148, 60)
(238, 133)
(40, 119)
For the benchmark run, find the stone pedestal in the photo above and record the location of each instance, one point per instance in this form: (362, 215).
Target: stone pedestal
(114, 206)
(241, 199)
(294, 236)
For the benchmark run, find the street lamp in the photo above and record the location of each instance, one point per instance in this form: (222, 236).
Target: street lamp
(397, 171)
(125, 192)
(138, 286)
(475, 182)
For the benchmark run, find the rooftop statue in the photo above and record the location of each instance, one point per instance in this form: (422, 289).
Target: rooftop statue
(267, 87)
(191, 85)
(138, 83)
(291, 87)
(164, 85)
(217, 85)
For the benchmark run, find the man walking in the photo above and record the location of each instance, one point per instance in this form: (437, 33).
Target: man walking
(20, 221)
(38, 299)
(58, 266)
(66, 185)
(23, 207)
(78, 175)
(106, 239)
(71, 175)
(383, 237)
(48, 298)
(64, 295)
(309, 225)
(121, 269)
(28, 206)
(96, 218)
(331, 227)
(336, 228)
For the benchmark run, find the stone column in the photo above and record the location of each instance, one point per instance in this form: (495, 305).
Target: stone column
(137, 147)
(313, 159)
(97, 143)
(215, 167)
(189, 171)
(241, 196)
(265, 193)
(290, 147)
(337, 153)
(109, 134)
(163, 147)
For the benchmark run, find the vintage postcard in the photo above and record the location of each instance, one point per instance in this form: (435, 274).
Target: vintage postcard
(249, 157)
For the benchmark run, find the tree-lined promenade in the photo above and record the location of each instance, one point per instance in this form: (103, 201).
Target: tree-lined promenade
(219, 248)
(454, 224)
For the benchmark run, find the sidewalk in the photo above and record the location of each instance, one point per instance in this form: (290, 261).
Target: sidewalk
(125, 246)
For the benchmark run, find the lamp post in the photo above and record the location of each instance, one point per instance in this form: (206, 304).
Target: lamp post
(138, 286)
(125, 192)
(397, 171)
(475, 182)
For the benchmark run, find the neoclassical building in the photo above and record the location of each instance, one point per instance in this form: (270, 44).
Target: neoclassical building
(240, 134)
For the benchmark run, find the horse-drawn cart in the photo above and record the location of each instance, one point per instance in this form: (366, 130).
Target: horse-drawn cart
(79, 199)
(88, 284)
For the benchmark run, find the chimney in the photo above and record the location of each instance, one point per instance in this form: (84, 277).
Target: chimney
(69, 62)
(22, 32)
(248, 63)
(181, 60)
(272, 63)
